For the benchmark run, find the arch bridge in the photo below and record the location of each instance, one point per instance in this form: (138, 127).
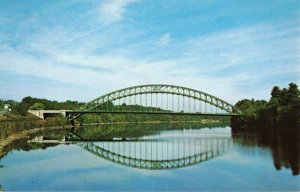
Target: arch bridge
(157, 99)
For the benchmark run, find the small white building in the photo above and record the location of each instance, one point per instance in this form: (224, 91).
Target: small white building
(6, 109)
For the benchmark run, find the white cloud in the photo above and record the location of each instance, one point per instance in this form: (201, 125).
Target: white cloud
(111, 11)
(164, 40)
(221, 63)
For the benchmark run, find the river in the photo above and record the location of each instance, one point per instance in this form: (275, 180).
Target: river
(160, 157)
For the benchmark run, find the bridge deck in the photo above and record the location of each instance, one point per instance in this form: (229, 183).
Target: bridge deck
(154, 113)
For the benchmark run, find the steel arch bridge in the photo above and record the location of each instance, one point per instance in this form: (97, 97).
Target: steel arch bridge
(157, 99)
(132, 157)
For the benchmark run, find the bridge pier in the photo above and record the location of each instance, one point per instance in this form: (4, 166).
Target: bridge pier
(42, 114)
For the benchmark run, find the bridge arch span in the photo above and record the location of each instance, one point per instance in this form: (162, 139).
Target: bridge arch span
(157, 89)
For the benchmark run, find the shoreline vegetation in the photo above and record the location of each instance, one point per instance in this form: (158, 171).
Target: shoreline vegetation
(11, 123)
(281, 112)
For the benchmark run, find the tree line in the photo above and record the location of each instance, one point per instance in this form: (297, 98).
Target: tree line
(281, 111)
(18, 119)
(21, 108)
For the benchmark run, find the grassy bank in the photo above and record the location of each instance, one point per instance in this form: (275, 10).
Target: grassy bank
(10, 124)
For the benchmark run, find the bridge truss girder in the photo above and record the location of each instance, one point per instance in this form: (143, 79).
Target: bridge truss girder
(156, 89)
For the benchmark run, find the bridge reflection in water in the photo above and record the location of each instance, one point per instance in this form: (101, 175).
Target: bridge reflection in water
(165, 153)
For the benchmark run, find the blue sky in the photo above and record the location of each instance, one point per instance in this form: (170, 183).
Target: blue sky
(81, 49)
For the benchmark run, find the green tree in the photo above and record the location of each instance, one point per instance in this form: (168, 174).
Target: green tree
(293, 91)
(275, 93)
(37, 106)
(282, 110)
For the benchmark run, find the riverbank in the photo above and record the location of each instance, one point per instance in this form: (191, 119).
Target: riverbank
(25, 133)
(11, 123)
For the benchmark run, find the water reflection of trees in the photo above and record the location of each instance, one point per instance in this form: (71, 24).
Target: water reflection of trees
(24, 145)
(100, 132)
(108, 132)
(284, 145)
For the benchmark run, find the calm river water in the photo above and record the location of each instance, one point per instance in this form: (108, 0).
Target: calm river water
(152, 157)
